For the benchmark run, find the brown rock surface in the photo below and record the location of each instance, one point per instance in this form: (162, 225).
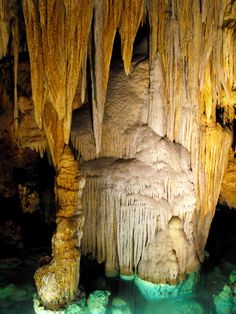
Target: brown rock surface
(57, 282)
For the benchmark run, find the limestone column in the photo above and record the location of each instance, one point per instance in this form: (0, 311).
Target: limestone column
(57, 282)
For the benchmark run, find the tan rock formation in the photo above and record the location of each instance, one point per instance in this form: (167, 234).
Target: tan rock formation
(228, 186)
(57, 282)
(131, 201)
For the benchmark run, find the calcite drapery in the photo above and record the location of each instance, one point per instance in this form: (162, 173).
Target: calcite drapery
(198, 58)
(141, 204)
(57, 282)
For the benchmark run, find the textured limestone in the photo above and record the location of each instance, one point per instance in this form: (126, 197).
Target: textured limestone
(129, 109)
(228, 186)
(28, 133)
(141, 212)
(29, 199)
(57, 282)
(130, 202)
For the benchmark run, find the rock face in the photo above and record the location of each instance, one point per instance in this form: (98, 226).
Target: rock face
(57, 282)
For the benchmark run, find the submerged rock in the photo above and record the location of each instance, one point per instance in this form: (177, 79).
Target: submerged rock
(96, 304)
(152, 292)
(225, 301)
(78, 306)
(98, 301)
(119, 306)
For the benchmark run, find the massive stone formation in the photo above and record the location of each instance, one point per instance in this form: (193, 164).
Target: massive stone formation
(142, 207)
(57, 282)
(178, 105)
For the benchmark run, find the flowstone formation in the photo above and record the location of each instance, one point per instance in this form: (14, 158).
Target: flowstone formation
(142, 207)
(57, 282)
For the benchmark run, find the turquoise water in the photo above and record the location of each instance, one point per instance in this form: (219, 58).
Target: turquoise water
(17, 288)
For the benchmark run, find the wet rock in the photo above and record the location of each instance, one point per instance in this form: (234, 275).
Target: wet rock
(98, 301)
(119, 306)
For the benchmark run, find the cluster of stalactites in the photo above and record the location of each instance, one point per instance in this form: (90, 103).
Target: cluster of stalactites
(57, 36)
(9, 25)
(59, 42)
(195, 40)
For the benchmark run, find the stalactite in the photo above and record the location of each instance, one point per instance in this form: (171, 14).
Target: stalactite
(157, 106)
(34, 39)
(28, 133)
(133, 12)
(126, 107)
(4, 27)
(198, 64)
(15, 32)
(57, 36)
(228, 189)
(106, 20)
(214, 156)
(78, 17)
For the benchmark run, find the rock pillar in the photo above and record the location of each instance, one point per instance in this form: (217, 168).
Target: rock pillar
(57, 282)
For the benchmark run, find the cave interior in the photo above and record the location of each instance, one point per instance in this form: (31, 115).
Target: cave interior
(117, 156)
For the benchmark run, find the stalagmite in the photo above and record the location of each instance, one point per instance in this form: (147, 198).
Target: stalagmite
(57, 282)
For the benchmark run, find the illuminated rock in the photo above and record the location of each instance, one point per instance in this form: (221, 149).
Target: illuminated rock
(57, 282)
